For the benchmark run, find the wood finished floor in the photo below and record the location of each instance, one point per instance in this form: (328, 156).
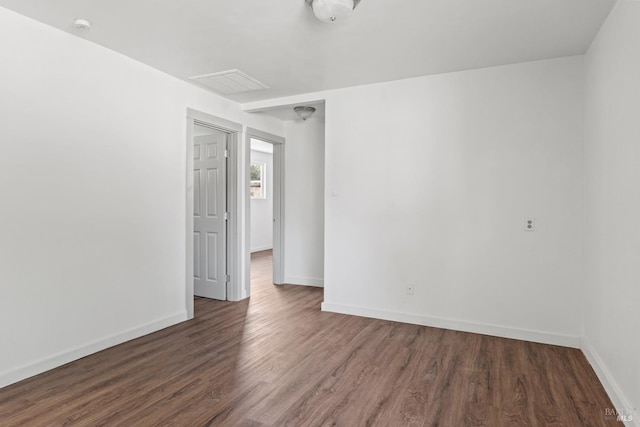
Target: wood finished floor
(276, 360)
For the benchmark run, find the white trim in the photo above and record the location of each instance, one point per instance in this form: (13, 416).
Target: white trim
(616, 395)
(456, 325)
(304, 281)
(59, 359)
(234, 248)
(261, 248)
(279, 225)
(189, 225)
(216, 121)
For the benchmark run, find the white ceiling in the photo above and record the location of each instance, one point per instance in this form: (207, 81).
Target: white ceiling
(285, 112)
(282, 44)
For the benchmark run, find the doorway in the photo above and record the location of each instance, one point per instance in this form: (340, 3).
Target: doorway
(211, 246)
(265, 199)
(261, 196)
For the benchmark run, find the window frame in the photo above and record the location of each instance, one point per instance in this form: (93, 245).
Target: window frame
(263, 187)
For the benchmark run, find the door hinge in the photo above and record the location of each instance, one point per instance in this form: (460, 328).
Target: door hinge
(226, 152)
(226, 216)
(227, 278)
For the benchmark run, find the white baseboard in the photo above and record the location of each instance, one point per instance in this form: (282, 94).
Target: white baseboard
(620, 402)
(304, 281)
(59, 359)
(260, 249)
(456, 325)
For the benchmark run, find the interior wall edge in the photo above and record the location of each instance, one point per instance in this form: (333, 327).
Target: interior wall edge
(50, 362)
(610, 385)
(541, 337)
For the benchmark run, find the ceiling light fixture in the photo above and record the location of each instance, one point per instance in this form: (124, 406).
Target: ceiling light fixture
(332, 10)
(304, 112)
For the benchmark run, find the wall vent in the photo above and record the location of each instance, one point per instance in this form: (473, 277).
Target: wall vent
(229, 82)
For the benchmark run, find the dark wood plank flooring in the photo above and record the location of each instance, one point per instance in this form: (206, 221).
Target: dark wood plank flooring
(276, 360)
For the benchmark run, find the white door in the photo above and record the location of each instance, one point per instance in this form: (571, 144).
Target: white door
(210, 228)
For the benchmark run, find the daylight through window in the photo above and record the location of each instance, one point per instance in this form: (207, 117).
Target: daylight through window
(258, 190)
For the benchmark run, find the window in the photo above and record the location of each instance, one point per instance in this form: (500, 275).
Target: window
(258, 190)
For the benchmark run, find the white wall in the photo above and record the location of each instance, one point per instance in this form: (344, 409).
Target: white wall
(92, 185)
(304, 202)
(262, 209)
(612, 169)
(433, 179)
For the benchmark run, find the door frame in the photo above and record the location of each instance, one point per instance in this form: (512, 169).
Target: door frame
(234, 254)
(278, 143)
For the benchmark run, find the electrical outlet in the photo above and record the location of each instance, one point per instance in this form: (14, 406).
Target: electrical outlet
(409, 290)
(529, 224)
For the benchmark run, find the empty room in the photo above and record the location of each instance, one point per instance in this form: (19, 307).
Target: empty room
(319, 212)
